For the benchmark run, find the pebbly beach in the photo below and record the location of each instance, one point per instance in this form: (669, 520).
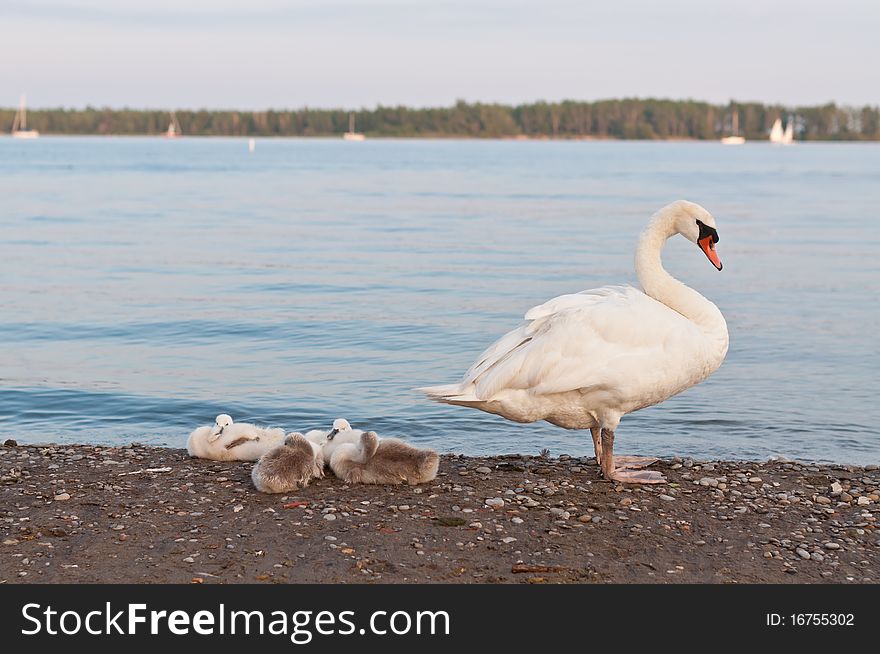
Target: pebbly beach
(138, 514)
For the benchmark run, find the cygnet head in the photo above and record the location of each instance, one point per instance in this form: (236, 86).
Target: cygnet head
(340, 424)
(697, 225)
(222, 421)
(292, 437)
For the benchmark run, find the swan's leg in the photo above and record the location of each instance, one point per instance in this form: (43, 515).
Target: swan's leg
(618, 474)
(596, 433)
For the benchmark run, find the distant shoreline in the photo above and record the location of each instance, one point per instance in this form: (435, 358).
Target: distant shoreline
(628, 119)
(370, 137)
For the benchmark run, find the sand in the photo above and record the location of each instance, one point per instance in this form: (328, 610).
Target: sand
(152, 515)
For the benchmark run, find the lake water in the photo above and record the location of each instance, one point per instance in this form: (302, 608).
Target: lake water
(148, 285)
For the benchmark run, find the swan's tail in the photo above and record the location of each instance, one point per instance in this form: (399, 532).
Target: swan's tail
(451, 394)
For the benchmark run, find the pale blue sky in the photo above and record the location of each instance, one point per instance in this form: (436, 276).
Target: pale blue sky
(322, 53)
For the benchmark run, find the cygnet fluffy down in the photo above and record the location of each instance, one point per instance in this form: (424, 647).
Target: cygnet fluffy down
(289, 466)
(366, 459)
(226, 440)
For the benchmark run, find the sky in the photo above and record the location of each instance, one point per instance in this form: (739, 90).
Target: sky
(257, 54)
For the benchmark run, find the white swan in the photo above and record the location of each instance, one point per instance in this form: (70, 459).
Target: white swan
(341, 432)
(226, 440)
(584, 360)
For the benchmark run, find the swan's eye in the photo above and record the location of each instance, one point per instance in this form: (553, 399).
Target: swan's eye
(705, 231)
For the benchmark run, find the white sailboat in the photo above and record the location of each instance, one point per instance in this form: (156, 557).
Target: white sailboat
(173, 130)
(19, 124)
(780, 136)
(734, 138)
(351, 135)
(788, 135)
(776, 131)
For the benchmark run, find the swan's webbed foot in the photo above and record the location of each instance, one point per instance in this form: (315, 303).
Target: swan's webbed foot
(637, 477)
(634, 462)
(618, 473)
(240, 441)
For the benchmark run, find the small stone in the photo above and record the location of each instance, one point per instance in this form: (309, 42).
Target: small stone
(517, 521)
(755, 480)
(821, 499)
(189, 559)
(10, 541)
(330, 516)
(61, 497)
(804, 554)
(846, 497)
(832, 545)
(862, 501)
(508, 540)
(585, 518)
(667, 498)
(476, 525)
(9, 442)
(483, 470)
(495, 502)
(816, 556)
(836, 488)
(237, 508)
(330, 538)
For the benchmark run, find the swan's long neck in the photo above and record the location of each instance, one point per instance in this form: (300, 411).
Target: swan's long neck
(664, 288)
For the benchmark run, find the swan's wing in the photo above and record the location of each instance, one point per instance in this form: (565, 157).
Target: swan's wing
(596, 339)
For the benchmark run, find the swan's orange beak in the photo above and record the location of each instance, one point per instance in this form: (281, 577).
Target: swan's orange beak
(707, 245)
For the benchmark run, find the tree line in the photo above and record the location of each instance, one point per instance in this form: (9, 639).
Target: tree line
(619, 119)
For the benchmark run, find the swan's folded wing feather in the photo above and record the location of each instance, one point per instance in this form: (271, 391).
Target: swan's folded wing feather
(593, 339)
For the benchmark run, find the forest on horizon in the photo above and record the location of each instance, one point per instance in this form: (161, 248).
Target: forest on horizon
(615, 119)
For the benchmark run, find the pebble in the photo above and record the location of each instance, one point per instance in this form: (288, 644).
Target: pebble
(804, 554)
(821, 499)
(508, 540)
(517, 521)
(483, 470)
(836, 488)
(862, 501)
(667, 498)
(832, 545)
(495, 502)
(330, 516)
(66, 496)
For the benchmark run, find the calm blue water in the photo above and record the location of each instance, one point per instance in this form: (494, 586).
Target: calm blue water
(148, 285)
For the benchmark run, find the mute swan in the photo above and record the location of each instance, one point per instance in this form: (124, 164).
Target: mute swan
(232, 441)
(582, 361)
(365, 458)
(289, 466)
(341, 426)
